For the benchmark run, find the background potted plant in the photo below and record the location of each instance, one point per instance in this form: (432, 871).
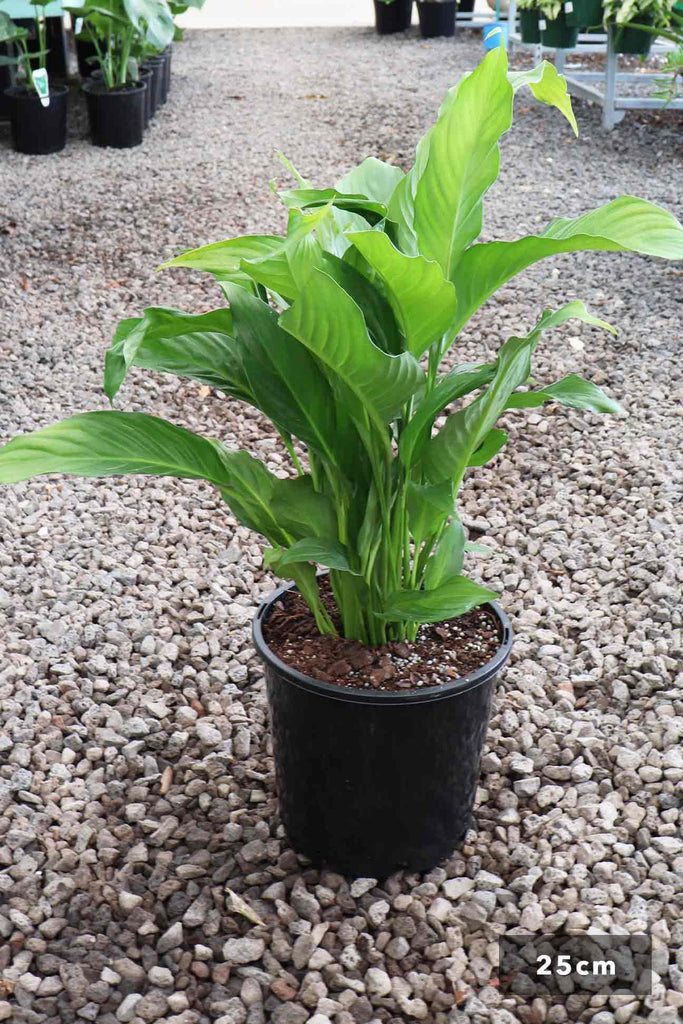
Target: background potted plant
(556, 32)
(437, 17)
(392, 16)
(37, 106)
(584, 14)
(668, 87)
(120, 29)
(647, 14)
(529, 13)
(337, 332)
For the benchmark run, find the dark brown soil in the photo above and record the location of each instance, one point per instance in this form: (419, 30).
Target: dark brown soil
(442, 651)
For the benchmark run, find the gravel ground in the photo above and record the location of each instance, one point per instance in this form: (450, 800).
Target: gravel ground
(136, 783)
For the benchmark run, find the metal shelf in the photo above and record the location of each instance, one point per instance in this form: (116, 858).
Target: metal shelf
(583, 83)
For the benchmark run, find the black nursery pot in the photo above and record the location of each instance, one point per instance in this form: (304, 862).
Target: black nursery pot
(393, 17)
(156, 66)
(372, 781)
(117, 116)
(166, 87)
(145, 75)
(437, 19)
(36, 129)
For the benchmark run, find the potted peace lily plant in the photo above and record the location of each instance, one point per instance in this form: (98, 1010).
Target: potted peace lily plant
(379, 672)
(37, 106)
(392, 16)
(116, 97)
(630, 38)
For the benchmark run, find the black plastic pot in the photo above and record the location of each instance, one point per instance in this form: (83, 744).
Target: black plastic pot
(117, 116)
(584, 13)
(556, 33)
(393, 17)
(466, 6)
(437, 18)
(37, 129)
(631, 40)
(167, 55)
(156, 66)
(372, 781)
(145, 75)
(528, 26)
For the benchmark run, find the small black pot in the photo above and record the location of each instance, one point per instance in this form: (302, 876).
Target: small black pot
(466, 6)
(156, 66)
(117, 116)
(585, 13)
(168, 56)
(393, 17)
(145, 75)
(372, 781)
(528, 26)
(437, 19)
(37, 129)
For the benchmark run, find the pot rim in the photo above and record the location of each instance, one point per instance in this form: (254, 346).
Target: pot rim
(90, 86)
(21, 90)
(387, 698)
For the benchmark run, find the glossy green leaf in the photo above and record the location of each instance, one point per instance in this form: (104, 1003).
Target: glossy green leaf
(461, 381)
(429, 505)
(422, 299)
(303, 511)
(306, 198)
(327, 553)
(548, 86)
(489, 448)
(463, 162)
(169, 341)
(373, 178)
(447, 455)
(287, 382)
(625, 224)
(378, 314)
(452, 598)
(153, 20)
(331, 325)
(571, 390)
(223, 259)
(448, 558)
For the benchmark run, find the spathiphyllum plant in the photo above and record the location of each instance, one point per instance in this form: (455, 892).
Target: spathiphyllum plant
(336, 331)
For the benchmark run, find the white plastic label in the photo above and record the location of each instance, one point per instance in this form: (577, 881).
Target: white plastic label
(40, 80)
(568, 7)
(541, 24)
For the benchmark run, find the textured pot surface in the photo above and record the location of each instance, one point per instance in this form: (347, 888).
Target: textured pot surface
(372, 781)
(117, 117)
(394, 17)
(437, 19)
(36, 129)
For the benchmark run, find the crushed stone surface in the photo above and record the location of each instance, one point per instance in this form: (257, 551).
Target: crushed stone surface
(137, 803)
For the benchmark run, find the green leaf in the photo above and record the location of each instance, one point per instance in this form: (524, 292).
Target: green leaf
(374, 179)
(422, 299)
(489, 448)
(379, 316)
(153, 20)
(429, 505)
(113, 443)
(453, 598)
(331, 325)
(328, 553)
(548, 87)
(463, 162)
(625, 224)
(169, 341)
(223, 259)
(571, 390)
(306, 198)
(447, 455)
(448, 558)
(302, 511)
(461, 381)
(287, 383)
